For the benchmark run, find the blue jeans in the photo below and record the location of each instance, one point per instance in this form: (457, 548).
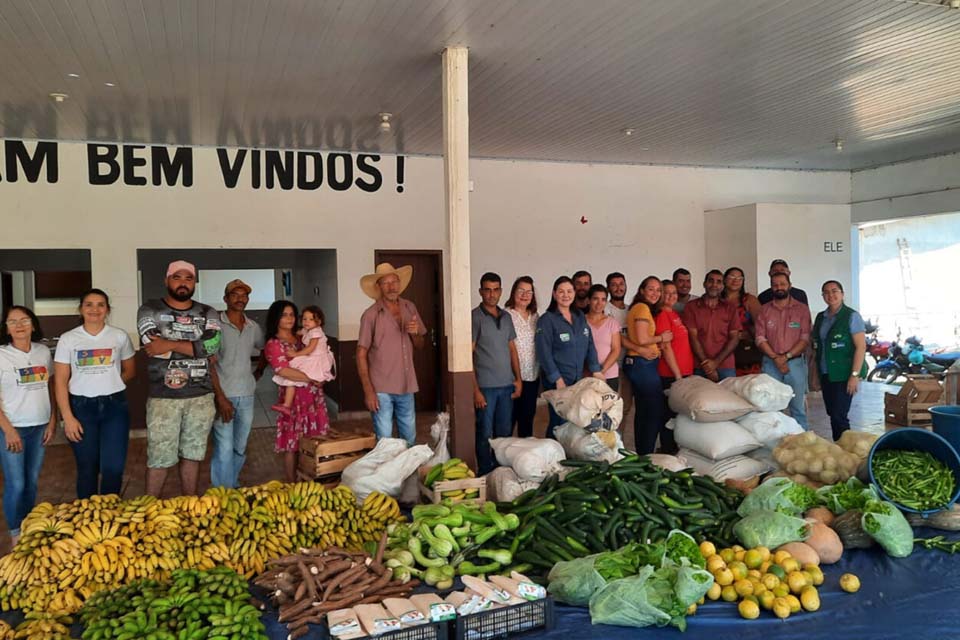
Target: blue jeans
(102, 451)
(230, 444)
(647, 402)
(20, 473)
(493, 421)
(797, 379)
(400, 404)
(722, 372)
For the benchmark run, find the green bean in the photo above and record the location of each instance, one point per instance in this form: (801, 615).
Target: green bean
(914, 479)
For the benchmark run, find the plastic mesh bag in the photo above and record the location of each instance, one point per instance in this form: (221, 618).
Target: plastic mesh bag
(574, 582)
(779, 494)
(889, 527)
(770, 529)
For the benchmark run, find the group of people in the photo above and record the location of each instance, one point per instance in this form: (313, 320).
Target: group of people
(663, 334)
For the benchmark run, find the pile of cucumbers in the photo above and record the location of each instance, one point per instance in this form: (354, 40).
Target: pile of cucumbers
(194, 605)
(601, 506)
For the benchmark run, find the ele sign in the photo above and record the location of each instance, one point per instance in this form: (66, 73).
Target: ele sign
(142, 165)
(835, 246)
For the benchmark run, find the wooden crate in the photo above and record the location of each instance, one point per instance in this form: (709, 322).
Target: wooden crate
(911, 406)
(332, 453)
(330, 482)
(434, 494)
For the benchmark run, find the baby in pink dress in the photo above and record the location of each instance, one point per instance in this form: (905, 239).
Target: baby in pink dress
(315, 359)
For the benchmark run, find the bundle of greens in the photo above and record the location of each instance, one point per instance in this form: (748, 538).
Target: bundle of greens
(846, 496)
(779, 494)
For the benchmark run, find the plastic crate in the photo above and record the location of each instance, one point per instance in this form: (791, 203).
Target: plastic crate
(536, 615)
(428, 631)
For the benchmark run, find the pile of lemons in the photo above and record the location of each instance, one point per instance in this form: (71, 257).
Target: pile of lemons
(760, 579)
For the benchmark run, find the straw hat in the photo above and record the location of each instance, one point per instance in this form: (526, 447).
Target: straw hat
(368, 283)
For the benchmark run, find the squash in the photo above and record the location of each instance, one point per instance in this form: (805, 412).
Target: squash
(804, 553)
(825, 542)
(850, 529)
(821, 514)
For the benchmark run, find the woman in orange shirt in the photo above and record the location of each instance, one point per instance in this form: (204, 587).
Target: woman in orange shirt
(643, 357)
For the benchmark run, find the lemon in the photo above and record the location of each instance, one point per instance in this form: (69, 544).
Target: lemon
(728, 555)
(797, 581)
(778, 571)
(739, 570)
(849, 583)
(729, 594)
(781, 608)
(714, 591)
(743, 587)
(753, 559)
(780, 556)
(749, 610)
(815, 572)
(714, 563)
(702, 599)
(708, 549)
(766, 600)
(739, 555)
(724, 577)
(790, 564)
(737, 547)
(764, 553)
(781, 590)
(692, 609)
(765, 566)
(810, 599)
(769, 580)
(794, 602)
(754, 573)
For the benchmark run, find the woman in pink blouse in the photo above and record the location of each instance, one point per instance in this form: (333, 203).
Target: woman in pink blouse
(606, 336)
(308, 415)
(522, 307)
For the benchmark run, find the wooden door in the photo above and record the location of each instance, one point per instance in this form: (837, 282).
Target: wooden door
(6, 292)
(426, 292)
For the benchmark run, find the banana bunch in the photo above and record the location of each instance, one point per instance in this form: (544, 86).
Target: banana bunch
(42, 625)
(71, 551)
(6, 631)
(452, 469)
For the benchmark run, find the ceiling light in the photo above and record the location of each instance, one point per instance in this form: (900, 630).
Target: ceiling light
(59, 97)
(628, 132)
(838, 143)
(385, 122)
(73, 75)
(109, 84)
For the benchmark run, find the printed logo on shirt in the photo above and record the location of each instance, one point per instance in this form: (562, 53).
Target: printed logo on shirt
(586, 332)
(35, 376)
(180, 372)
(94, 358)
(794, 325)
(564, 337)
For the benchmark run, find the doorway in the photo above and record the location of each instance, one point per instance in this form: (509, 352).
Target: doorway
(426, 292)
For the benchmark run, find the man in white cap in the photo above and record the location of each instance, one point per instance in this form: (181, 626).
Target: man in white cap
(241, 338)
(389, 331)
(181, 338)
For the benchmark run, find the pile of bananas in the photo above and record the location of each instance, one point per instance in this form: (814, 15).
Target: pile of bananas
(68, 552)
(195, 604)
(6, 631)
(452, 469)
(36, 625)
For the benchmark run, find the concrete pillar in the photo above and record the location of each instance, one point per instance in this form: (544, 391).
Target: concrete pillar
(114, 269)
(456, 170)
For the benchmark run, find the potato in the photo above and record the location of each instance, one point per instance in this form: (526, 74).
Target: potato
(803, 552)
(821, 514)
(825, 542)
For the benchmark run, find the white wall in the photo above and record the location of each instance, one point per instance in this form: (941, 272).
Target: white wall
(731, 239)
(525, 218)
(906, 189)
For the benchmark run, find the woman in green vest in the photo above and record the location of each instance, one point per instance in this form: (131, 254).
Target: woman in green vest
(840, 345)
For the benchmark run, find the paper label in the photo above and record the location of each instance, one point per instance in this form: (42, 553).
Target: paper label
(440, 611)
(383, 625)
(345, 627)
(502, 595)
(531, 591)
(412, 617)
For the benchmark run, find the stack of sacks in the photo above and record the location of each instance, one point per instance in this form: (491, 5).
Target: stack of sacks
(525, 463)
(709, 439)
(767, 423)
(592, 411)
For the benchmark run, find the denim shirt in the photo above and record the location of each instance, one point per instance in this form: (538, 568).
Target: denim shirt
(565, 349)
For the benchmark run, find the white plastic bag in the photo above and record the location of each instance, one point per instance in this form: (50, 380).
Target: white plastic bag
(533, 459)
(705, 401)
(503, 485)
(714, 440)
(410, 494)
(385, 468)
(760, 390)
(732, 468)
(769, 426)
(589, 403)
(580, 444)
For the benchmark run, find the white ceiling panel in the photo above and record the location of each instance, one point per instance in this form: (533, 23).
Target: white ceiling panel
(763, 83)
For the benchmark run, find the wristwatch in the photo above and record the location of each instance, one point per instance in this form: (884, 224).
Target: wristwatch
(789, 355)
(854, 374)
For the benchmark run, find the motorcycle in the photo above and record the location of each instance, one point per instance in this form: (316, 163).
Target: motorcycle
(912, 358)
(924, 361)
(894, 366)
(876, 348)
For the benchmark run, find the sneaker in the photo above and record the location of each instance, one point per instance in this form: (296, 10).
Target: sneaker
(281, 408)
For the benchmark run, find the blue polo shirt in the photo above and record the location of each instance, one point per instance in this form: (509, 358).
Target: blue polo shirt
(564, 349)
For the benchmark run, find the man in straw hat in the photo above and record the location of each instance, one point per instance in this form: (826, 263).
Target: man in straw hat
(389, 330)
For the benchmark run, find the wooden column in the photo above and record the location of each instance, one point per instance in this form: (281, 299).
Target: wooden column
(456, 171)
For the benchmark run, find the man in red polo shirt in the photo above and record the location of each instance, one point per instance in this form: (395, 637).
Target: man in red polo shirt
(783, 333)
(714, 327)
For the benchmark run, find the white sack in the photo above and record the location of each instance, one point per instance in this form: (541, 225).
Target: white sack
(410, 494)
(705, 401)
(668, 462)
(760, 390)
(580, 444)
(769, 426)
(589, 403)
(732, 468)
(714, 440)
(533, 459)
(385, 468)
(503, 485)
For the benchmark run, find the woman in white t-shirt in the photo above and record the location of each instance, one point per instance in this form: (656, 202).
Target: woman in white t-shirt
(93, 364)
(28, 417)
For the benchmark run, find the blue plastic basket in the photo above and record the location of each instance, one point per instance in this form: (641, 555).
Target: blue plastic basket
(912, 439)
(946, 423)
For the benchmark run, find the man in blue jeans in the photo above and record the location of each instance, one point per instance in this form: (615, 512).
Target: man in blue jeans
(496, 370)
(241, 337)
(390, 329)
(714, 327)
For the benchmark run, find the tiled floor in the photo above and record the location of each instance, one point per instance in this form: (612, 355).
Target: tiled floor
(58, 475)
